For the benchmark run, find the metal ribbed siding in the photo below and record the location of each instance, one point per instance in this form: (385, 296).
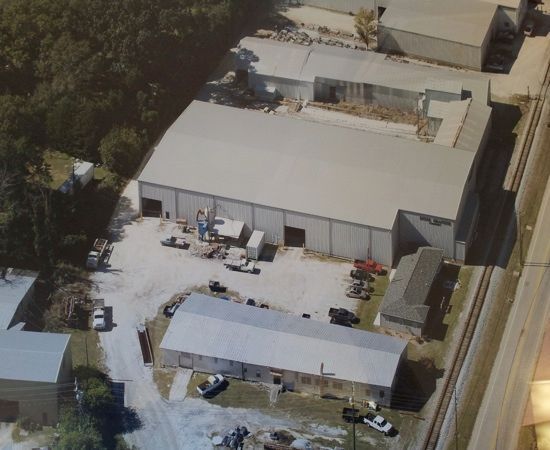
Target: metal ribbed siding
(349, 240)
(270, 221)
(431, 48)
(412, 230)
(285, 87)
(317, 230)
(190, 202)
(236, 210)
(381, 245)
(166, 195)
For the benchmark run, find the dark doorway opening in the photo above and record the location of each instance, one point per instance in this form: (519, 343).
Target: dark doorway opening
(9, 411)
(332, 94)
(150, 207)
(276, 379)
(295, 237)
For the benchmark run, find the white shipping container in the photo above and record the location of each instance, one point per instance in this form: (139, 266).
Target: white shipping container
(255, 245)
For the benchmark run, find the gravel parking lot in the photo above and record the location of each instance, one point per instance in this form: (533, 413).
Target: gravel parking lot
(142, 275)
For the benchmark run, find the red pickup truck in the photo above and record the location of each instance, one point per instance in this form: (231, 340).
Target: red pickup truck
(370, 266)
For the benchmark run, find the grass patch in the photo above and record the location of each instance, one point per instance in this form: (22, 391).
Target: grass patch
(85, 348)
(368, 309)
(309, 408)
(60, 167)
(163, 377)
(438, 349)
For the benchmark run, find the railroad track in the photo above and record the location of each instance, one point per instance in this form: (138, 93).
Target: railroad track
(506, 202)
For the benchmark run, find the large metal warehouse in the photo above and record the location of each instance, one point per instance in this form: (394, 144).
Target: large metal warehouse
(335, 190)
(456, 33)
(321, 73)
(209, 335)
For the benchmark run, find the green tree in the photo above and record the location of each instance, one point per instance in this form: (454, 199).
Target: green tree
(365, 25)
(78, 432)
(121, 150)
(98, 398)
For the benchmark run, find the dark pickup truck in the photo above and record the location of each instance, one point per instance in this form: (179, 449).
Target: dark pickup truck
(342, 314)
(351, 415)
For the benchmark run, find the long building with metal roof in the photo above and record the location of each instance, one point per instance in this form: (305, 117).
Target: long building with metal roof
(16, 291)
(321, 72)
(34, 368)
(216, 336)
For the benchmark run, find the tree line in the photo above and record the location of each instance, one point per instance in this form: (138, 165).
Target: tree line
(98, 80)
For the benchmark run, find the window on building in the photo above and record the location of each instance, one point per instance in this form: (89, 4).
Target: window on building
(167, 215)
(382, 393)
(245, 370)
(200, 357)
(258, 374)
(337, 385)
(215, 360)
(306, 380)
(231, 363)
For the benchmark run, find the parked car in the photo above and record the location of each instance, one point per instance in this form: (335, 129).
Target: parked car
(529, 28)
(358, 283)
(378, 423)
(306, 316)
(173, 241)
(357, 292)
(343, 314)
(351, 415)
(211, 385)
(216, 286)
(99, 318)
(251, 302)
(243, 265)
(170, 310)
(495, 63)
(341, 322)
(360, 274)
(370, 266)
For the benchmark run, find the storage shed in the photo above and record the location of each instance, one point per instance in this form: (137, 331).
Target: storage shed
(35, 371)
(214, 336)
(255, 245)
(453, 32)
(404, 305)
(83, 174)
(16, 293)
(279, 185)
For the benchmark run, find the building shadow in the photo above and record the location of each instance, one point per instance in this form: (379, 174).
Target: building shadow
(491, 174)
(416, 382)
(268, 253)
(439, 302)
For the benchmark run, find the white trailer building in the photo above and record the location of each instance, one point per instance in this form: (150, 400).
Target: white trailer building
(211, 335)
(334, 190)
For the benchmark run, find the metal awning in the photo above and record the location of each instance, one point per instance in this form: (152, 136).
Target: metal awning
(227, 227)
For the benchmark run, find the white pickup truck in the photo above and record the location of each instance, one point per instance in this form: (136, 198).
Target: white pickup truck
(99, 314)
(242, 265)
(378, 423)
(212, 383)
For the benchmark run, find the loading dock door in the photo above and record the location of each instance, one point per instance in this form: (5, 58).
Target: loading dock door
(9, 411)
(150, 207)
(295, 237)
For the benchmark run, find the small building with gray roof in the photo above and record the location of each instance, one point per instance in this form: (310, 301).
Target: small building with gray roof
(16, 293)
(211, 335)
(34, 375)
(404, 307)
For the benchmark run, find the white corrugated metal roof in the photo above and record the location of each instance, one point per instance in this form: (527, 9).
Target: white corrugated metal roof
(31, 356)
(514, 4)
(212, 327)
(12, 290)
(464, 21)
(443, 85)
(307, 167)
(255, 238)
(463, 126)
(437, 109)
(263, 56)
